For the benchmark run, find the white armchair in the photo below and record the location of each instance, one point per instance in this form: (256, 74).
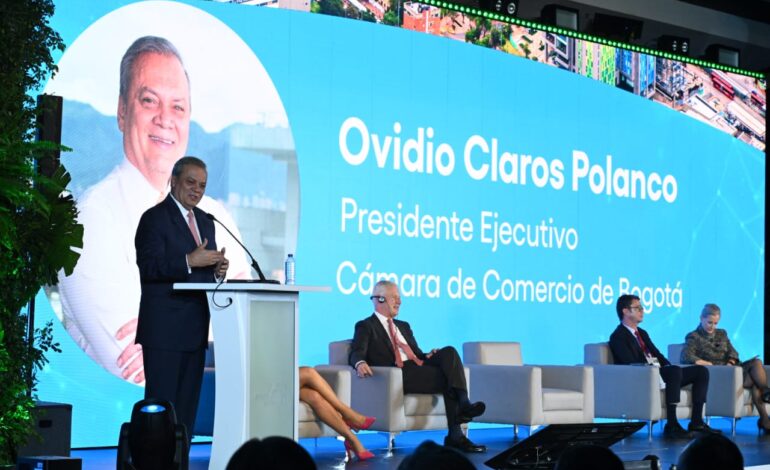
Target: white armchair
(309, 425)
(726, 395)
(382, 396)
(527, 395)
(339, 378)
(630, 391)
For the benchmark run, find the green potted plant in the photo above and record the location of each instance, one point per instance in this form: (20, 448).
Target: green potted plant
(38, 223)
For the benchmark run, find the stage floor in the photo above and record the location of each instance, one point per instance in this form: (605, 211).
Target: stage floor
(329, 453)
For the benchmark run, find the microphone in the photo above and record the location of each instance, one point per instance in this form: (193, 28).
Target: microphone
(262, 279)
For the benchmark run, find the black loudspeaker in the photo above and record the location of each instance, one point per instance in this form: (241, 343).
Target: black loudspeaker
(53, 423)
(49, 116)
(723, 55)
(616, 27)
(49, 463)
(563, 17)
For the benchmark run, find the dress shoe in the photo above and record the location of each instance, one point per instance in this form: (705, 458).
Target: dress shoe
(702, 428)
(464, 444)
(368, 421)
(471, 411)
(675, 431)
(361, 456)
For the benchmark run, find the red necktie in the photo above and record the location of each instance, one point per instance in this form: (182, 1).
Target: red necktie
(396, 343)
(191, 224)
(641, 344)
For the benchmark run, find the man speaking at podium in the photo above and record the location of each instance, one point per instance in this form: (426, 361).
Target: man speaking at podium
(175, 243)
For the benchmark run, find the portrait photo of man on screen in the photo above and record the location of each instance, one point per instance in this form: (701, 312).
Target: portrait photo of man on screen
(156, 95)
(100, 299)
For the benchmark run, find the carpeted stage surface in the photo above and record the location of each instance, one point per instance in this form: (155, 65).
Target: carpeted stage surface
(329, 453)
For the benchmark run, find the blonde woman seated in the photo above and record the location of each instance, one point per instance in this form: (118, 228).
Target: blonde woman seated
(317, 393)
(708, 345)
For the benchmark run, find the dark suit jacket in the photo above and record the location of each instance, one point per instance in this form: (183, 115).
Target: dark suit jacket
(371, 343)
(175, 321)
(626, 350)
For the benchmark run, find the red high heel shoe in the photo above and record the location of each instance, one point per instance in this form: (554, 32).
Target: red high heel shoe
(361, 456)
(761, 429)
(367, 424)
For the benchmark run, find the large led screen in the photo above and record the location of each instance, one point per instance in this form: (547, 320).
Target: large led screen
(511, 200)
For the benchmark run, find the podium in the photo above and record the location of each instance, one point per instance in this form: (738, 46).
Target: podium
(255, 349)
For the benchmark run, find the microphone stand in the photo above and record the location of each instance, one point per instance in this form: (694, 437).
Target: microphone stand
(262, 279)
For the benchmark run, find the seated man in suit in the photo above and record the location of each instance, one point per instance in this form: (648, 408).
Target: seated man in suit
(632, 345)
(379, 340)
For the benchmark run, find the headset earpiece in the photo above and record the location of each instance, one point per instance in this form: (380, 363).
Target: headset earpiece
(379, 298)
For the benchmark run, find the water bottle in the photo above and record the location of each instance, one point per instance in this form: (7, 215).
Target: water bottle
(289, 269)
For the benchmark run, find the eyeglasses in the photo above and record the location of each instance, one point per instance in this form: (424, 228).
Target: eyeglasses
(636, 307)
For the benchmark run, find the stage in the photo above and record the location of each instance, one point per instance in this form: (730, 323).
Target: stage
(329, 453)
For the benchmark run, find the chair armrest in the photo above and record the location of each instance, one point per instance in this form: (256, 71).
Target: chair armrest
(338, 378)
(623, 391)
(513, 394)
(381, 396)
(575, 378)
(725, 392)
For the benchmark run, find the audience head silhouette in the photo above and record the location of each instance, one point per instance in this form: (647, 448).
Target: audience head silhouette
(271, 453)
(431, 455)
(588, 457)
(711, 452)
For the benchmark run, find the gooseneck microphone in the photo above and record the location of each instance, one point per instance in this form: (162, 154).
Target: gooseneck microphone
(262, 279)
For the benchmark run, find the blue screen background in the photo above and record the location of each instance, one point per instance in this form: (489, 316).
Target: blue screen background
(708, 242)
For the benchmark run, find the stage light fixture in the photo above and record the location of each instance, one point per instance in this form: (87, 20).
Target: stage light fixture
(560, 16)
(48, 119)
(153, 440)
(508, 8)
(723, 55)
(676, 44)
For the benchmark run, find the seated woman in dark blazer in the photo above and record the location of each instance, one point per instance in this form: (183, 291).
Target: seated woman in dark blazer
(708, 345)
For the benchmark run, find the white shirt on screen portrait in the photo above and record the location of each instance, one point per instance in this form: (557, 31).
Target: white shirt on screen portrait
(103, 292)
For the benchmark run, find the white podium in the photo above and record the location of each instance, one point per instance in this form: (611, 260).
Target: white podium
(255, 349)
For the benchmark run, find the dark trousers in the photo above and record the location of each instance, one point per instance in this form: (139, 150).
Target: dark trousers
(676, 377)
(442, 373)
(175, 376)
